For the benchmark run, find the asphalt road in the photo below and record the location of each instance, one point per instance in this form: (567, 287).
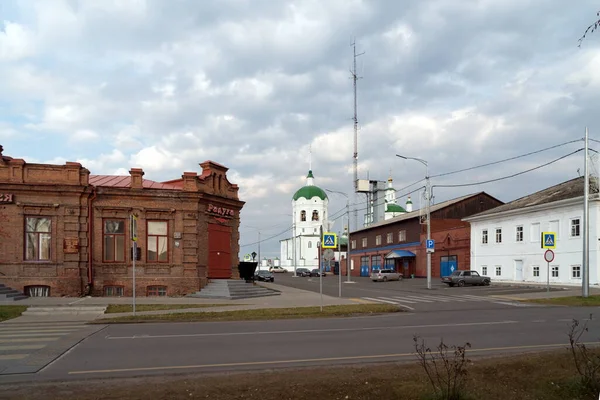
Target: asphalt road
(147, 349)
(412, 294)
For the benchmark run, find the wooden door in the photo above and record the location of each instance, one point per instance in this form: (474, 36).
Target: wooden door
(219, 251)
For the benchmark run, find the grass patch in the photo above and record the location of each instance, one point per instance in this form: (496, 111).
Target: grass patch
(259, 314)
(10, 312)
(547, 376)
(123, 308)
(575, 301)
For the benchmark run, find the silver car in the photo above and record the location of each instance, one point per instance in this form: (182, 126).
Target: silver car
(384, 275)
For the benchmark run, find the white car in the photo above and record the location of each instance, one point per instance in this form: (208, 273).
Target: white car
(277, 269)
(384, 275)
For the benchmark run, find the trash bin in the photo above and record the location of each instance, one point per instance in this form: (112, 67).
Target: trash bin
(412, 276)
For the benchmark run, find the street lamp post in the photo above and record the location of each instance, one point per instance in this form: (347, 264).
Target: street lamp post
(253, 227)
(428, 198)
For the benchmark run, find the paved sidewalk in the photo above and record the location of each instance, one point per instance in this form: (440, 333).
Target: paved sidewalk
(289, 297)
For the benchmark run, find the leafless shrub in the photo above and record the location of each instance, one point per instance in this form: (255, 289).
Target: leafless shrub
(587, 362)
(445, 367)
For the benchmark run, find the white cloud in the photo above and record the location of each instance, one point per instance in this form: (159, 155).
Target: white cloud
(16, 42)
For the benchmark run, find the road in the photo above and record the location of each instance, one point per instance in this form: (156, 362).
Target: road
(149, 349)
(412, 294)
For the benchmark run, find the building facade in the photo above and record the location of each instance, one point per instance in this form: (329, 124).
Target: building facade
(399, 243)
(65, 232)
(506, 241)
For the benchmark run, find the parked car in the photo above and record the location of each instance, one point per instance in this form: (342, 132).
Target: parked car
(384, 275)
(265, 276)
(302, 272)
(462, 278)
(315, 272)
(277, 269)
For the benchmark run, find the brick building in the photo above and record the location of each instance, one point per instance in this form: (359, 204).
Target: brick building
(64, 232)
(399, 243)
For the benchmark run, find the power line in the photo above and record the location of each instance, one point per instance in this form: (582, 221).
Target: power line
(511, 176)
(269, 238)
(506, 159)
(594, 140)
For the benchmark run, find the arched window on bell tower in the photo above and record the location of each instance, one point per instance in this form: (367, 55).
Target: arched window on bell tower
(315, 215)
(303, 215)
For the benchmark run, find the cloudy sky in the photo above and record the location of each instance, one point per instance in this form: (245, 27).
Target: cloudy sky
(166, 84)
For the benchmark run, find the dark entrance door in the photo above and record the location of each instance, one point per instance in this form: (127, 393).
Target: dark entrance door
(448, 264)
(219, 251)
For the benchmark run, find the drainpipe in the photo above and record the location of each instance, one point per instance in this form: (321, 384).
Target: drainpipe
(90, 239)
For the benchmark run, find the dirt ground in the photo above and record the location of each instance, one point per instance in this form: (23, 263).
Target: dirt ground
(547, 376)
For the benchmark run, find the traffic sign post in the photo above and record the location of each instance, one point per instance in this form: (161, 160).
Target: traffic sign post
(319, 247)
(430, 245)
(549, 257)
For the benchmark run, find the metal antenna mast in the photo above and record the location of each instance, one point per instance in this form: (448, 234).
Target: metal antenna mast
(354, 79)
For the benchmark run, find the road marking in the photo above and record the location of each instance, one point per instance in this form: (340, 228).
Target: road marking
(361, 301)
(347, 358)
(41, 339)
(379, 300)
(417, 299)
(23, 347)
(13, 356)
(311, 330)
(39, 330)
(10, 335)
(539, 320)
(398, 299)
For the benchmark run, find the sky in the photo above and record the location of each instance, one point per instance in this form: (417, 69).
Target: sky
(253, 84)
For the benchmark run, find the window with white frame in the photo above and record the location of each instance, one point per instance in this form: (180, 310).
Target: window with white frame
(498, 235)
(377, 240)
(555, 271)
(402, 236)
(484, 270)
(354, 244)
(519, 233)
(364, 242)
(484, 236)
(536, 271)
(576, 271)
(575, 228)
(390, 238)
(535, 232)
(498, 270)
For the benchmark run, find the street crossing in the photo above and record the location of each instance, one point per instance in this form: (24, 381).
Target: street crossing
(20, 340)
(408, 300)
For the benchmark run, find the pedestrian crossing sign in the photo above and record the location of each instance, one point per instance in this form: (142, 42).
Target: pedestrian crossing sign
(329, 240)
(548, 240)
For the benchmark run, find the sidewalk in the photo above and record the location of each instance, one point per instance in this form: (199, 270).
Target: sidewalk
(289, 298)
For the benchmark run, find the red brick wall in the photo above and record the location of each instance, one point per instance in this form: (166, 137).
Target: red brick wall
(62, 193)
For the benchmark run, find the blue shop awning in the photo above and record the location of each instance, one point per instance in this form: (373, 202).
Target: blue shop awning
(400, 253)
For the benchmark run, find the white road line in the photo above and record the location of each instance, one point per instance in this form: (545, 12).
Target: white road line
(23, 347)
(379, 328)
(442, 299)
(396, 300)
(29, 335)
(379, 300)
(22, 340)
(38, 330)
(13, 356)
(417, 299)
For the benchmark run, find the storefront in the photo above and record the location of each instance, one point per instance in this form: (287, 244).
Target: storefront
(65, 232)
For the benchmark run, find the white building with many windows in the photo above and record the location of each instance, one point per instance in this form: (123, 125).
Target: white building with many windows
(506, 240)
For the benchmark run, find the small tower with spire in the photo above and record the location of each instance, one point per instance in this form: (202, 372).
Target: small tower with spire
(391, 208)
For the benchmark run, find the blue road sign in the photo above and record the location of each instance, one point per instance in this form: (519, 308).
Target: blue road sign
(329, 241)
(430, 244)
(548, 240)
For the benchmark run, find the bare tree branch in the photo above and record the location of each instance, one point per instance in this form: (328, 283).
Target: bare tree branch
(590, 29)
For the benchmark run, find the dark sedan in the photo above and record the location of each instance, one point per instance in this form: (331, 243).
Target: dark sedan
(265, 276)
(462, 278)
(302, 272)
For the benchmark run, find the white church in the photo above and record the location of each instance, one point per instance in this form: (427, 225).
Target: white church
(309, 213)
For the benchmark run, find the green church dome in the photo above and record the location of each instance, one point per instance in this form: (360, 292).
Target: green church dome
(308, 192)
(394, 208)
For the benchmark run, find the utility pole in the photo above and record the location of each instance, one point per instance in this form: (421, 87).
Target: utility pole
(586, 221)
(259, 259)
(348, 244)
(355, 155)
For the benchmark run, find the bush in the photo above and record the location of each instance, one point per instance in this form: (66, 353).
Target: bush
(587, 362)
(445, 368)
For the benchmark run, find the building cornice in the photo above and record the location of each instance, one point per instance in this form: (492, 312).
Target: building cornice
(527, 210)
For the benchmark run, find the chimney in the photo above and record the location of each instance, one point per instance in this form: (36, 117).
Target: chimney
(409, 205)
(1, 159)
(137, 182)
(190, 182)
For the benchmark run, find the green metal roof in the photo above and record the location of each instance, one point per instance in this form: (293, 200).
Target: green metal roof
(391, 207)
(308, 192)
